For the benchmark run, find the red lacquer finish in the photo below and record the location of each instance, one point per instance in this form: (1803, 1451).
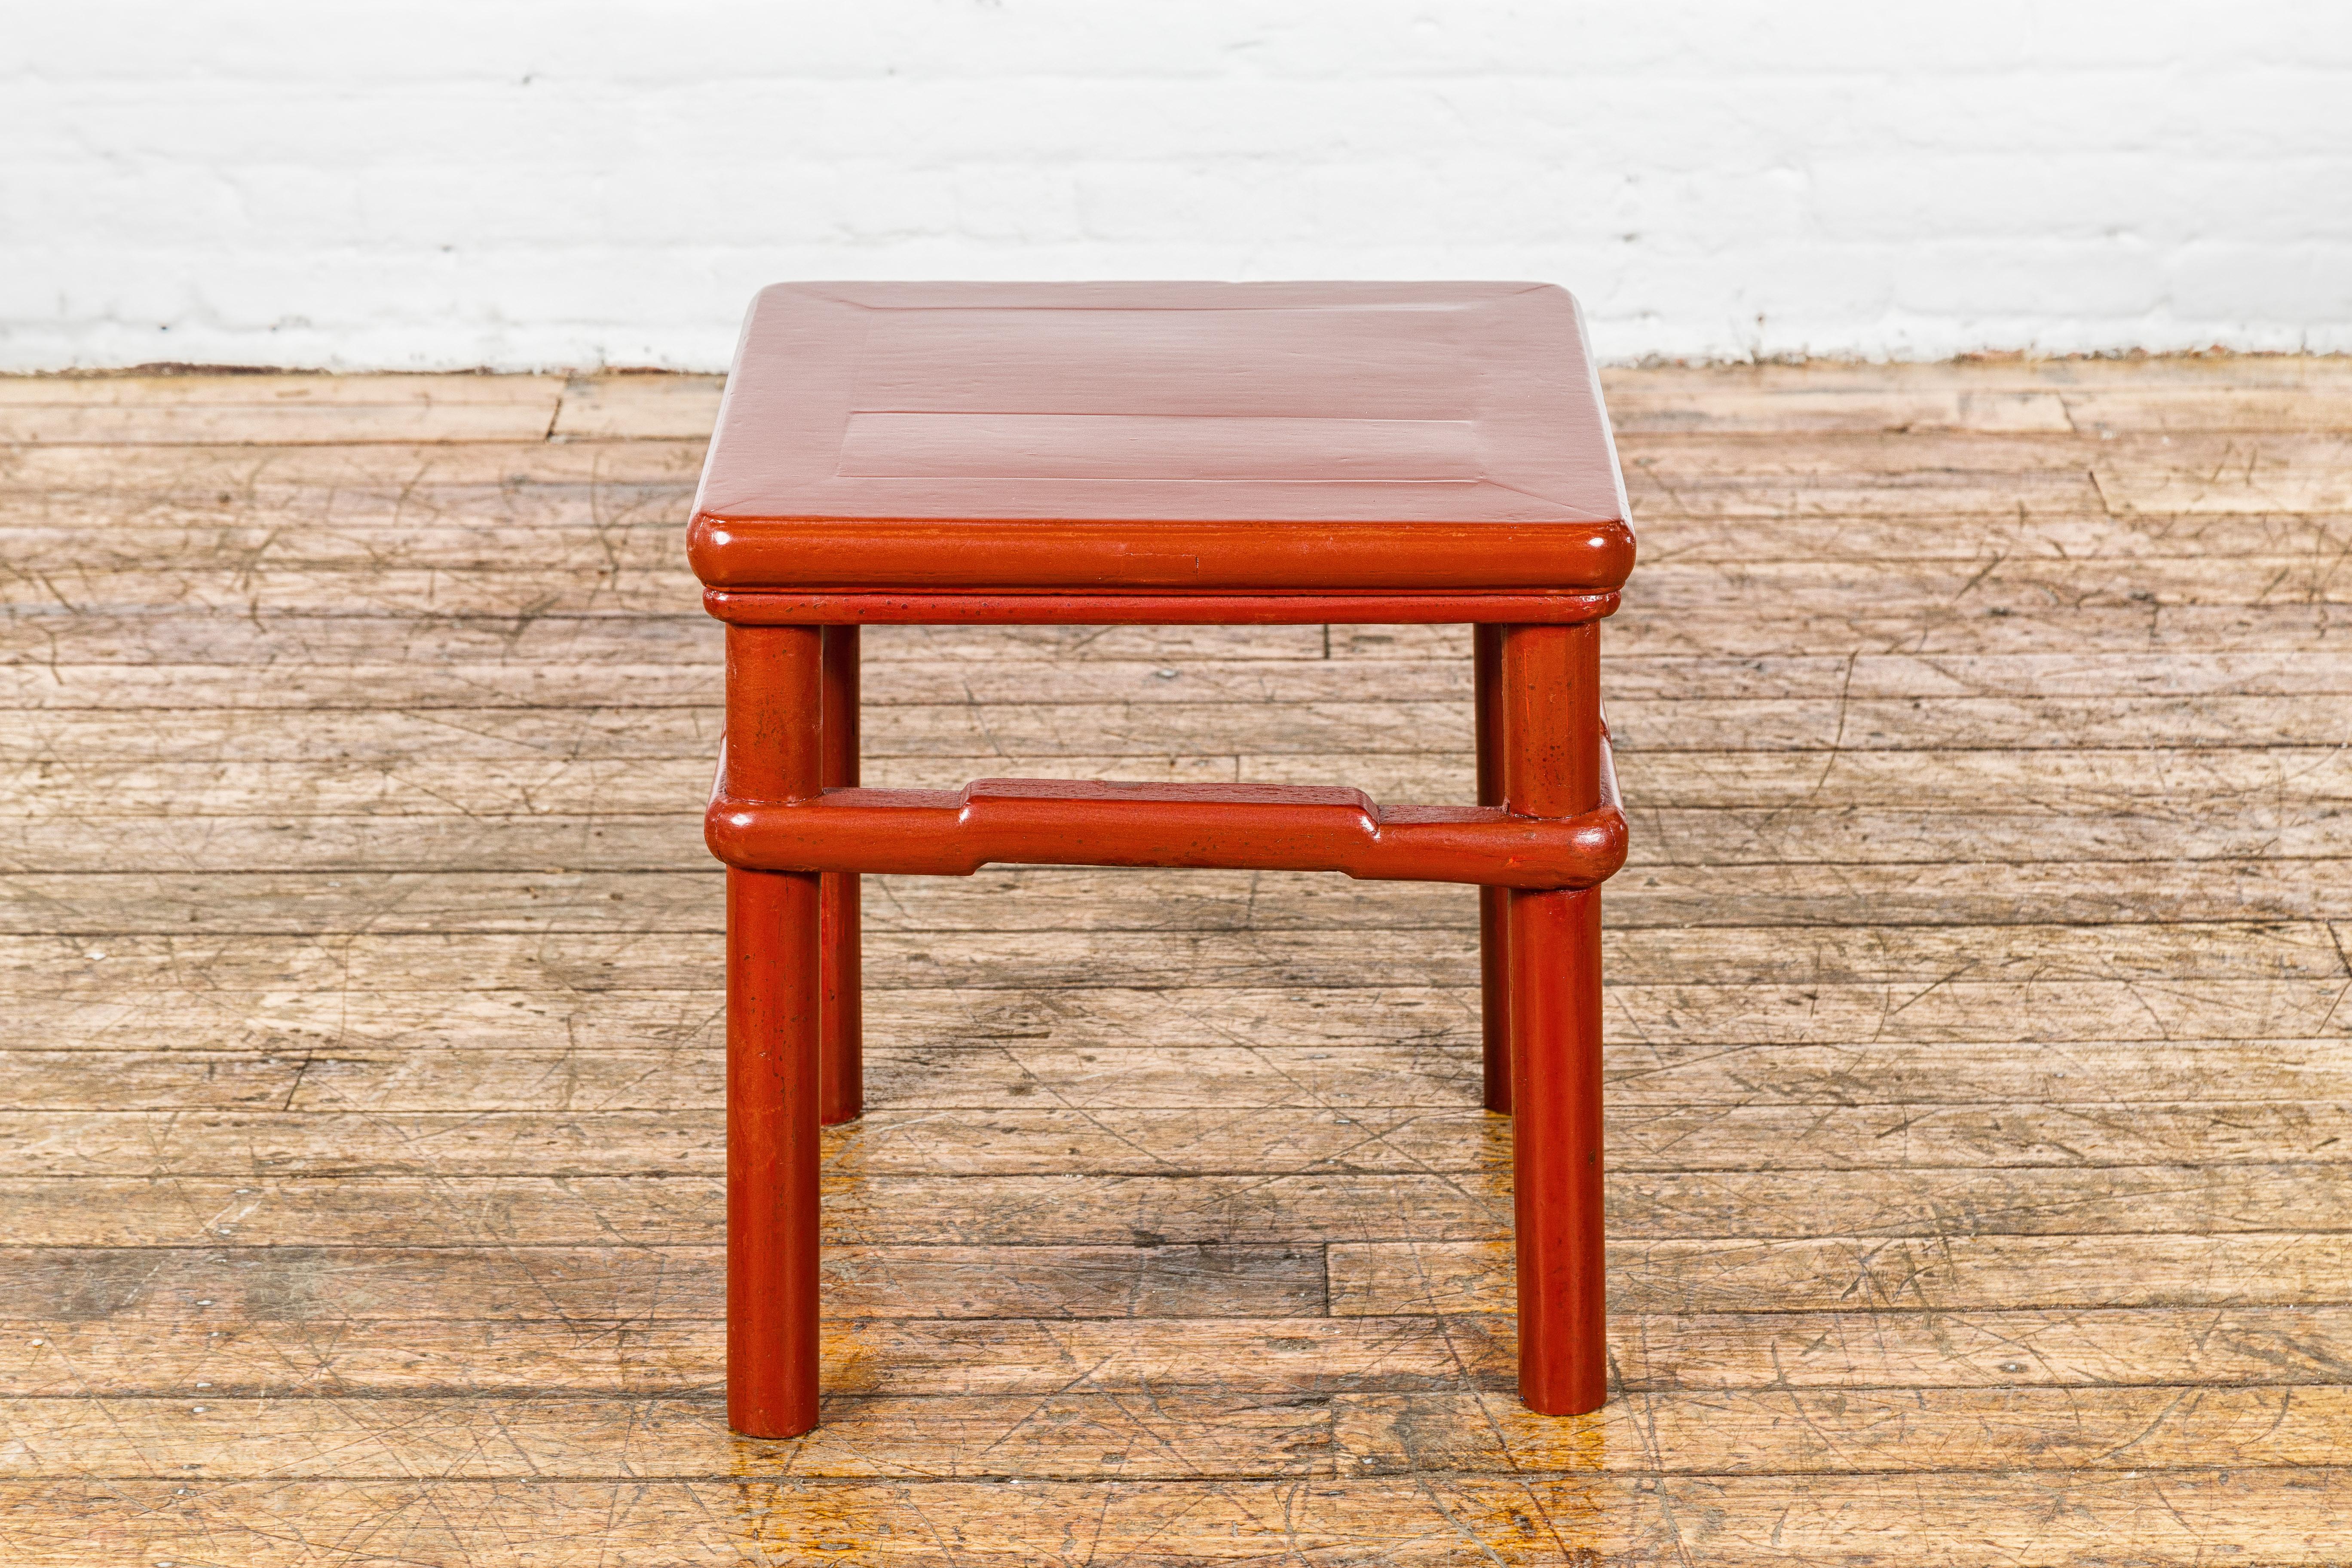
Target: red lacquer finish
(1346, 414)
(1244, 827)
(1163, 454)
(1554, 765)
(842, 1096)
(773, 1005)
(1557, 1172)
(1096, 609)
(1494, 902)
(1045, 555)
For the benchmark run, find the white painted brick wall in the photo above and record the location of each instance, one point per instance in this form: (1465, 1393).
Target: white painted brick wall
(521, 184)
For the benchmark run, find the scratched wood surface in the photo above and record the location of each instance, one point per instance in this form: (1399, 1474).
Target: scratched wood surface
(1979, 1043)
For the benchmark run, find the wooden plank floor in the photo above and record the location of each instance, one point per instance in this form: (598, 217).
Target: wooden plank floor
(1979, 1049)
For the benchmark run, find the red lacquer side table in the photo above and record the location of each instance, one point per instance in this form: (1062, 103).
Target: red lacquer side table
(1157, 453)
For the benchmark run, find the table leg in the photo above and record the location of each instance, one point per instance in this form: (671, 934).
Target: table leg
(772, 1010)
(842, 1075)
(1551, 706)
(1494, 903)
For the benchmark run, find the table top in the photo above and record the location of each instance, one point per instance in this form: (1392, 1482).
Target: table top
(943, 407)
(1319, 402)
